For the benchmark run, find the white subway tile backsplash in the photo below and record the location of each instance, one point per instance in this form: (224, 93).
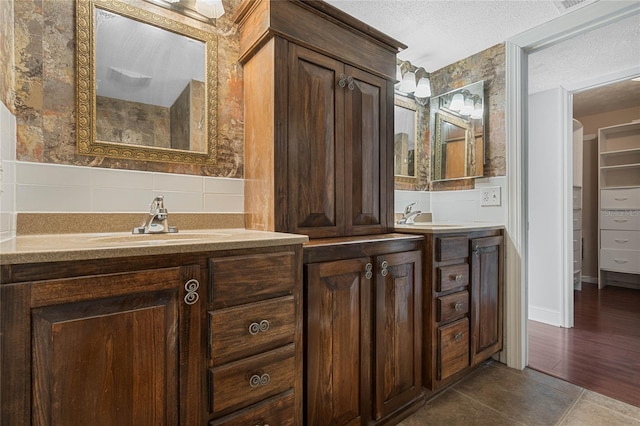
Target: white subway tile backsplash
(174, 182)
(7, 134)
(49, 198)
(404, 198)
(461, 211)
(52, 175)
(126, 179)
(183, 202)
(120, 200)
(223, 203)
(7, 197)
(213, 185)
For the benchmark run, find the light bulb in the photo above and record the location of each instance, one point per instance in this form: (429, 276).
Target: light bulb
(408, 84)
(477, 110)
(423, 90)
(210, 8)
(467, 109)
(457, 102)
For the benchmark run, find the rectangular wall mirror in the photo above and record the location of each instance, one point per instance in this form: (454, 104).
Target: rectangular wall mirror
(457, 136)
(404, 140)
(146, 85)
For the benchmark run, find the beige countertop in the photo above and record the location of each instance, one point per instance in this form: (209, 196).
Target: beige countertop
(442, 228)
(85, 246)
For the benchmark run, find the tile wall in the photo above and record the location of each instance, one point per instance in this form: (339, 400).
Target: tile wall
(7, 173)
(457, 206)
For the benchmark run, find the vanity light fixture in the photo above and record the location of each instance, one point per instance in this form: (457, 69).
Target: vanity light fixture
(210, 8)
(408, 83)
(468, 108)
(478, 110)
(413, 82)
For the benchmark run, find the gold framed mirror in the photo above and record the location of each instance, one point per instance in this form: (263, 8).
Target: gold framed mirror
(405, 149)
(146, 85)
(457, 138)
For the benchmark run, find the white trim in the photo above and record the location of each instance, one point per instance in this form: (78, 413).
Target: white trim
(515, 322)
(566, 310)
(602, 80)
(545, 316)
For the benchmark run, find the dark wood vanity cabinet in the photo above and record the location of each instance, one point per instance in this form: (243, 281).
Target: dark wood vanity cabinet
(362, 330)
(184, 339)
(318, 120)
(463, 303)
(103, 349)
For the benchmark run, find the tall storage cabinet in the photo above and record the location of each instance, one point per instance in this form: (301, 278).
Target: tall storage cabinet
(318, 120)
(619, 202)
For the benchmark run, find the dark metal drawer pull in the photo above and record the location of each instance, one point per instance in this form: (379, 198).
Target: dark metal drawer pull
(191, 287)
(255, 328)
(257, 380)
(458, 307)
(457, 337)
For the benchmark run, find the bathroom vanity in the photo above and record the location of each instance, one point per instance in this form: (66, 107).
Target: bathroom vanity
(192, 328)
(463, 298)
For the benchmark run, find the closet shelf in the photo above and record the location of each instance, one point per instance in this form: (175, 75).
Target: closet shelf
(620, 167)
(620, 152)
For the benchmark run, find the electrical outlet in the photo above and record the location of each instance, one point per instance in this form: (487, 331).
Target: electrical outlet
(490, 196)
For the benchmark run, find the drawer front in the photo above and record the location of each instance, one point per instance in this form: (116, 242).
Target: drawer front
(620, 240)
(246, 330)
(620, 260)
(623, 220)
(628, 198)
(577, 240)
(240, 384)
(452, 306)
(243, 279)
(454, 276)
(453, 348)
(577, 219)
(274, 411)
(577, 198)
(449, 248)
(577, 260)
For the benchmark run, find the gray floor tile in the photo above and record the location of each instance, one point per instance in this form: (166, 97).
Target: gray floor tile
(588, 413)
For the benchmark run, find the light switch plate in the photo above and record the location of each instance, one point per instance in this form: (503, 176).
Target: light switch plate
(490, 196)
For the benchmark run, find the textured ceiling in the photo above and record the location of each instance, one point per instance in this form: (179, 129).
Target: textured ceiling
(439, 33)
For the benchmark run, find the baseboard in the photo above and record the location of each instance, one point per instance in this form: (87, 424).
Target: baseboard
(588, 279)
(544, 315)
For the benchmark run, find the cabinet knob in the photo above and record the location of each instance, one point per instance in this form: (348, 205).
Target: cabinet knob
(368, 271)
(384, 265)
(458, 306)
(457, 337)
(255, 328)
(458, 278)
(342, 82)
(352, 85)
(259, 380)
(191, 287)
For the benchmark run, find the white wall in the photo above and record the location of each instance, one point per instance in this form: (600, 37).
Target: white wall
(7, 173)
(546, 227)
(457, 206)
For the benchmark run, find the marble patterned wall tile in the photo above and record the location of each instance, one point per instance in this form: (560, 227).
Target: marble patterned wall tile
(6, 54)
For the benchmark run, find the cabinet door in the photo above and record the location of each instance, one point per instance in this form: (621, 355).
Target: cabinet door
(315, 145)
(486, 297)
(338, 331)
(365, 153)
(398, 331)
(105, 349)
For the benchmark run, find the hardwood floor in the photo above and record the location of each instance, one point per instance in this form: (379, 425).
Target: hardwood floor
(602, 352)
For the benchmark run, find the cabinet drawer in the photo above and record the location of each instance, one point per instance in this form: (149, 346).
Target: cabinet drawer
(242, 279)
(577, 240)
(240, 384)
(577, 197)
(449, 248)
(620, 260)
(274, 411)
(577, 219)
(452, 306)
(620, 219)
(246, 330)
(620, 240)
(453, 348)
(450, 277)
(628, 198)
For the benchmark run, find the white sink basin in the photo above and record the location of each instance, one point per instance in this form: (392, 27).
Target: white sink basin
(158, 239)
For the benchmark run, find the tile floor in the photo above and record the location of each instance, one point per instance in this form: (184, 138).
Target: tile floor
(498, 395)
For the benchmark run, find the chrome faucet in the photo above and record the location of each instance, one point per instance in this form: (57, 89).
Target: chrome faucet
(157, 221)
(409, 215)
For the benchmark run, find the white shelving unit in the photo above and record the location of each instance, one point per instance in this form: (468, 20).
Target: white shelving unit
(577, 203)
(619, 205)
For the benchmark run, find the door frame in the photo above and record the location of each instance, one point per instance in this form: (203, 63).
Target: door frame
(518, 48)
